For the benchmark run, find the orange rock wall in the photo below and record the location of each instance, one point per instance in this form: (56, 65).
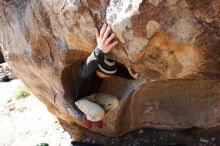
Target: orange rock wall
(174, 44)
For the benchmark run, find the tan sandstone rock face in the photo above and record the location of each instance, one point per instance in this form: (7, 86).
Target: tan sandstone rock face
(174, 44)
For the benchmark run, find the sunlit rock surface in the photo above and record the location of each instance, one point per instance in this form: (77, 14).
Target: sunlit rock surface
(174, 44)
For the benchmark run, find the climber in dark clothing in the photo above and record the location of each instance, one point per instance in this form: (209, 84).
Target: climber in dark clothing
(88, 82)
(90, 76)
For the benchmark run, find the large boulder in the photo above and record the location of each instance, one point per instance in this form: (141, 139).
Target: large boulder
(1, 57)
(6, 73)
(174, 44)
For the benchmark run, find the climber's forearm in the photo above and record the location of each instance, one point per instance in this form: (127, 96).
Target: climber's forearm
(104, 45)
(91, 63)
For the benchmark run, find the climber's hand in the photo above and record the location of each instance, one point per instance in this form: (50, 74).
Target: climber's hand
(104, 40)
(133, 73)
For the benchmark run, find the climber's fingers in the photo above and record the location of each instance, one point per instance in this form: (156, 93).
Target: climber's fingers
(133, 73)
(110, 46)
(106, 34)
(102, 31)
(109, 39)
(97, 34)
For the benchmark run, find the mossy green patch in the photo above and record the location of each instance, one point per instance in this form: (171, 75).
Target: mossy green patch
(21, 92)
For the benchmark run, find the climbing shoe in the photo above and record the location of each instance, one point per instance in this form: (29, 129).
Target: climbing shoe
(99, 124)
(87, 122)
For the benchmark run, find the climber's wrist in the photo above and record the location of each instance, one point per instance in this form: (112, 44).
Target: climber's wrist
(98, 53)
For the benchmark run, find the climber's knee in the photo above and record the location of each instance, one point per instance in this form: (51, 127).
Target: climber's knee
(93, 111)
(106, 101)
(91, 97)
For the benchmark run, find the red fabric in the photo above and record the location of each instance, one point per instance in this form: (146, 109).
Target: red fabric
(87, 122)
(99, 124)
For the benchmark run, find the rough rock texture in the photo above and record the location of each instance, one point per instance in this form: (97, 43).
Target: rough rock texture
(174, 44)
(6, 73)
